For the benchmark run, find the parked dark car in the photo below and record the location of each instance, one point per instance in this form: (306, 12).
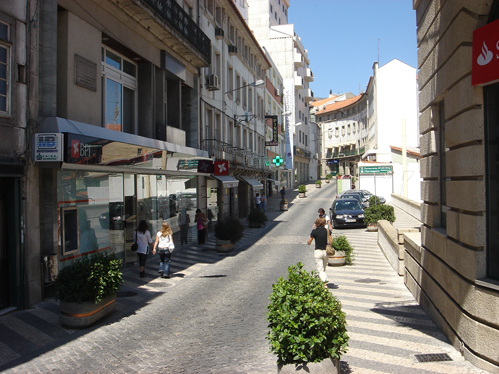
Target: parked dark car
(363, 203)
(347, 213)
(117, 219)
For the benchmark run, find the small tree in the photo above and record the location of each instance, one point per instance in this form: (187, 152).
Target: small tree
(305, 320)
(302, 188)
(257, 217)
(376, 213)
(229, 229)
(341, 243)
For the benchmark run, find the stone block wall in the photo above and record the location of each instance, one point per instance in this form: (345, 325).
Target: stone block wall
(446, 271)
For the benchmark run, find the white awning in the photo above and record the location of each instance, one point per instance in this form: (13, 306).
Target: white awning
(227, 181)
(252, 182)
(276, 182)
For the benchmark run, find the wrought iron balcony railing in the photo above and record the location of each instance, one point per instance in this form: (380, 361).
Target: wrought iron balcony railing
(235, 155)
(174, 15)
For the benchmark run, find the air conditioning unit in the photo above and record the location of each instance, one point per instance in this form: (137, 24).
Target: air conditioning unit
(219, 33)
(213, 82)
(277, 92)
(232, 49)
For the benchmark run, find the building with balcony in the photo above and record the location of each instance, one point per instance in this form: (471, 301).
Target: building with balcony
(109, 95)
(453, 270)
(233, 108)
(268, 20)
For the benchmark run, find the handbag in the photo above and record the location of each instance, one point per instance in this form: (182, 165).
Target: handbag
(135, 246)
(329, 247)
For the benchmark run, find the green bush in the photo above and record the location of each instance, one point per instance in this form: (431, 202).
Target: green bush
(257, 217)
(318, 182)
(329, 176)
(341, 243)
(89, 278)
(374, 200)
(376, 213)
(302, 188)
(305, 320)
(229, 229)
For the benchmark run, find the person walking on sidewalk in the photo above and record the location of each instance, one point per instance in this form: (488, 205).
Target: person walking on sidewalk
(258, 200)
(183, 223)
(201, 224)
(322, 214)
(143, 240)
(321, 236)
(283, 193)
(164, 245)
(263, 201)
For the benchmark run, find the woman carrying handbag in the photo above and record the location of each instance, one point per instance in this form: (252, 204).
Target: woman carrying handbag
(164, 245)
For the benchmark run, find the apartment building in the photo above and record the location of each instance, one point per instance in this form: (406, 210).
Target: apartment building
(269, 21)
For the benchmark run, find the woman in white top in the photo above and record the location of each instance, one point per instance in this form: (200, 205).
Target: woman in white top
(143, 240)
(164, 245)
(322, 214)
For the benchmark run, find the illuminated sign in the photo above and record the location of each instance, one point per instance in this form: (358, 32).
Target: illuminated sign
(49, 147)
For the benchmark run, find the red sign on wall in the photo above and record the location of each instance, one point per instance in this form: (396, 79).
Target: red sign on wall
(75, 148)
(221, 168)
(485, 55)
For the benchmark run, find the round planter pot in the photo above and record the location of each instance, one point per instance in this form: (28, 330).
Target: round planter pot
(80, 315)
(284, 206)
(338, 259)
(326, 366)
(327, 180)
(318, 186)
(372, 227)
(224, 246)
(301, 194)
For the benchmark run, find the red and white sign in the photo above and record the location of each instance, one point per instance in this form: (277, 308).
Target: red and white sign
(221, 168)
(485, 55)
(205, 166)
(75, 148)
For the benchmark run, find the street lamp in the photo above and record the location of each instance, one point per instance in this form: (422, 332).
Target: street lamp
(258, 83)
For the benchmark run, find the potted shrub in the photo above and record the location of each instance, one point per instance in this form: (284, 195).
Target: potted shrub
(257, 218)
(329, 177)
(374, 200)
(343, 249)
(306, 323)
(318, 183)
(302, 190)
(378, 212)
(284, 204)
(87, 289)
(228, 232)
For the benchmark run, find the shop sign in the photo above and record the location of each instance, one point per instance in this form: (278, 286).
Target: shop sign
(83, 149)
(485, 55)
(275, 132)
(205, 166)
(49, 147)
(221, 168)
(375, 169)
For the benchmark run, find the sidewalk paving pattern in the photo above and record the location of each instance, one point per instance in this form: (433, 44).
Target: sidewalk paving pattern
(387, 328)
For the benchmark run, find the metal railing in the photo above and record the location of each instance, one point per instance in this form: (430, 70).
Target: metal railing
(174, 15)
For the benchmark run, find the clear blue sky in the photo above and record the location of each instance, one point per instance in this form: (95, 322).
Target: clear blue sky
(341, 37)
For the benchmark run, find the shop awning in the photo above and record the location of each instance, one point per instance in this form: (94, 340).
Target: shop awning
(193, 183)
(276, 182)
(228, 182)
(252, 182)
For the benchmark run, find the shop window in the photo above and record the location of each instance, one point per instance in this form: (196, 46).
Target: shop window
(119, 92)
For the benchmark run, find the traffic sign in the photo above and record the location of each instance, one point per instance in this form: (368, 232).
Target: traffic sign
(375, 169)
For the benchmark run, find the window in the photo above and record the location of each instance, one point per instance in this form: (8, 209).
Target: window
(4, 70)
(442, 151)
(119, 82)
(230, 79)
(275, 15)
(245, 94)
(306, 140)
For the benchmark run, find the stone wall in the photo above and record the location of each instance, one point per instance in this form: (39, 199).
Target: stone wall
(447, 272)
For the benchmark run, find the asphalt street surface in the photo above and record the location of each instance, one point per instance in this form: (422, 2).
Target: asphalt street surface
(210, 316)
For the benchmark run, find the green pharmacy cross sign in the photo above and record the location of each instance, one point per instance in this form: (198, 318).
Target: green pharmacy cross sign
(277, 161)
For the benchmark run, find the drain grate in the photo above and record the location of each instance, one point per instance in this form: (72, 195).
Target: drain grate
(433, 357)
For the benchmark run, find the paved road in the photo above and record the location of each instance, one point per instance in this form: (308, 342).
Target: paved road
(210, 317)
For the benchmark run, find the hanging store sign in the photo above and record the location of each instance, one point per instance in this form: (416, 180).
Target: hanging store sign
(221, 168)
(485, 55)
(275, 132)
(49, 147)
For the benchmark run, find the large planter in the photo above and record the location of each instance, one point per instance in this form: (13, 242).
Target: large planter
(224, 246)
(326, 366)
(327, 180)
(284, 206)
(80, 315)
(302, 194)
(318, 186)
(372, 227)
(338, 259)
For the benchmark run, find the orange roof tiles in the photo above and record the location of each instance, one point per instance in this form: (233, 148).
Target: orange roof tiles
(339, 104)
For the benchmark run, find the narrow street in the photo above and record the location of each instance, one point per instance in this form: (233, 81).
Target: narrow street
(210, 318)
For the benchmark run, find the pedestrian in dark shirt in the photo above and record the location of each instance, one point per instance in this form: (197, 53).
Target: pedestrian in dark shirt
(320, 234)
